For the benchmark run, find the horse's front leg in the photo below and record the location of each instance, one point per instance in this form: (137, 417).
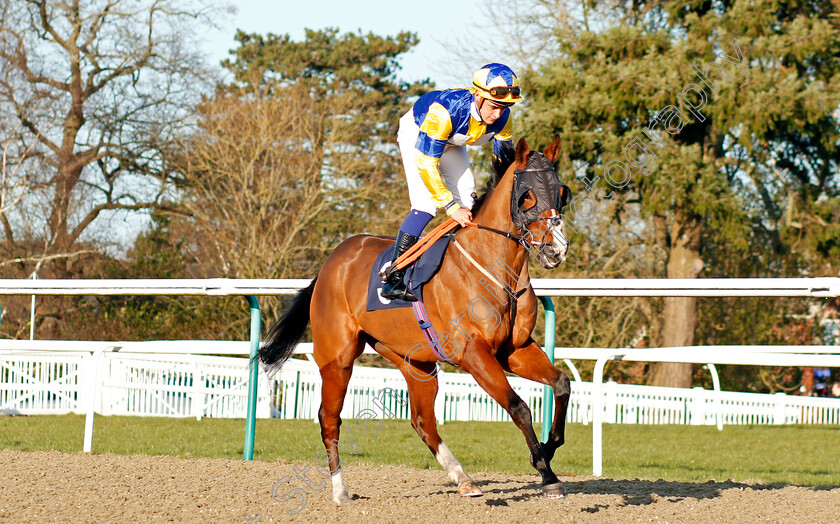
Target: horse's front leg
(531, 362)
(488, 372)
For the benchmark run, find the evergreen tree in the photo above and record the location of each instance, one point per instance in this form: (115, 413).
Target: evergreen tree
(717, 120)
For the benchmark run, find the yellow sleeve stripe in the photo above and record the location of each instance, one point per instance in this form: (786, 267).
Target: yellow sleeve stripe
(430, 174)
(437, 123)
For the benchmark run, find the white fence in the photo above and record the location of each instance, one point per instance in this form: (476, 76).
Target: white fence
(51, 377)
(198, 394)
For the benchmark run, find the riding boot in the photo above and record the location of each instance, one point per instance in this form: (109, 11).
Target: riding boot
(394, 287)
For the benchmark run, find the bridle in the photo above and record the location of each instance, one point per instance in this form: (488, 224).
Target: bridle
(547, 216)
(548, 220)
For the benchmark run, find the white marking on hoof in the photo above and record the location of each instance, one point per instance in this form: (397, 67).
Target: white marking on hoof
(451, 466)
(340, 495)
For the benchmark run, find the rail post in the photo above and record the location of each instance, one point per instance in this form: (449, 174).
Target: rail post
(548, 394)
(253, 378)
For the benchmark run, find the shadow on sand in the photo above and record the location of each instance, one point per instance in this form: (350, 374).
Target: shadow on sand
(633, 492)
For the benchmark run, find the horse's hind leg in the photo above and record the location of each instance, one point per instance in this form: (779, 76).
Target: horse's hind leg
(421, 378)
(335, 376)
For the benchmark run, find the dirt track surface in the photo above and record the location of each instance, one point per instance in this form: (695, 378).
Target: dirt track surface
(59, 487)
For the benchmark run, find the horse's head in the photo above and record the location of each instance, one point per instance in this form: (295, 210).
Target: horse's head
(537, 199)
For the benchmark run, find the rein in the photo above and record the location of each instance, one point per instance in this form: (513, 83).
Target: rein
(437, 233)
(447, 226)
(534, 170)
(510, 236)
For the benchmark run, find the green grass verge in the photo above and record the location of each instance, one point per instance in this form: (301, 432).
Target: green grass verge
(801, 455)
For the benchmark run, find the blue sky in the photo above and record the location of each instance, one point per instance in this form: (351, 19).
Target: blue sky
(435, 21)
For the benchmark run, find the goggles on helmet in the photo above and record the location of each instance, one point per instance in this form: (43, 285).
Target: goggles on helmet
(497, 82)
(502, 92)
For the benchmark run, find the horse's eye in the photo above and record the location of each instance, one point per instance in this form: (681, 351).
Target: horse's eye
(527, 200)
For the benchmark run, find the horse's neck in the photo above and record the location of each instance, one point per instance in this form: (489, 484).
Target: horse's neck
(490, 248)
(495, 212)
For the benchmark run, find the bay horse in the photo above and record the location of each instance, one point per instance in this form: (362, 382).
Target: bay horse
(524, 190)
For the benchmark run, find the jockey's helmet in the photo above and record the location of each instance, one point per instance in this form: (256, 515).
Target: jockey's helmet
(497, 82)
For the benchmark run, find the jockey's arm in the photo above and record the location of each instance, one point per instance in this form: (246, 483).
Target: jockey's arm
(435, 131)
(505, 135)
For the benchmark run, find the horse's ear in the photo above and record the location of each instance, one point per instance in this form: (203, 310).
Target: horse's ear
(522, 152)
(552, 152)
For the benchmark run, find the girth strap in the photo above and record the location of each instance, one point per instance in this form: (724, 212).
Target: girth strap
(429, 332)
(420, 309)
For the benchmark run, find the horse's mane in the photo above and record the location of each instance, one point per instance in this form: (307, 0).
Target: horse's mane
(500, 165)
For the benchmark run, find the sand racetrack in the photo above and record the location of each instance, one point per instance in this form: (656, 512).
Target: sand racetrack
(59, 487)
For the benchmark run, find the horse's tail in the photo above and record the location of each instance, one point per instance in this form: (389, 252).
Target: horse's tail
(287, 332)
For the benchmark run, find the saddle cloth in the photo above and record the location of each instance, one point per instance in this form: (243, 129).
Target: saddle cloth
(416, 276)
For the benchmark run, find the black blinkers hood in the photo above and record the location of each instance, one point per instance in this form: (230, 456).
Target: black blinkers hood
(540, 178)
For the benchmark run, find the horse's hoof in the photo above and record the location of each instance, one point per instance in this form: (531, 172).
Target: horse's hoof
(554, 491)
(469, 489)
(342, 498)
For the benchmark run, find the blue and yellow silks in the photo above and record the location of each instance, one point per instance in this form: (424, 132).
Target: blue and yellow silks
(450, 118)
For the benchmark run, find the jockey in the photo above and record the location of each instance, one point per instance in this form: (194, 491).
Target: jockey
(432, 136)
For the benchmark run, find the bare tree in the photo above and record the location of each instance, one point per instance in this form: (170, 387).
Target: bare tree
(94, 90)
(520, 33)
(14, 184)
(272, 183)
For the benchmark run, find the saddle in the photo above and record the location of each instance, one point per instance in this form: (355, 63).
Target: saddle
(416, 276)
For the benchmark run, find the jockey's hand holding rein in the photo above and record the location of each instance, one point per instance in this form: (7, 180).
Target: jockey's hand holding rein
(462, 215)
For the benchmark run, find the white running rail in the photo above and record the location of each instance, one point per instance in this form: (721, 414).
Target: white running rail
(174, 379)
(79, 378)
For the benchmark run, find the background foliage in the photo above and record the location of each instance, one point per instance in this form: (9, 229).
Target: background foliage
(262, 174)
